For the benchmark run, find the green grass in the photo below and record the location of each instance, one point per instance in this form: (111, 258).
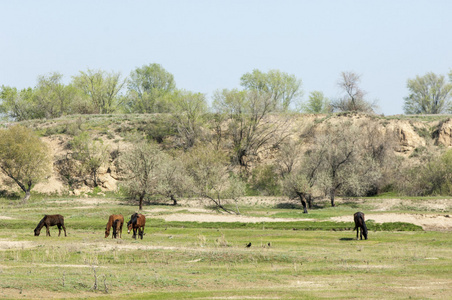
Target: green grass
(199, 260)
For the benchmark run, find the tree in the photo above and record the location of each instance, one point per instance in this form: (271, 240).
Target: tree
(429, 94)
(282, 88)
(317, 104)
(353, 100)
(23, 157)
(52, 98)
(101, 88)
(189, 109)
(299, 172)
(91, 154)
(17, 105)
(212, 176)
(140, 167)
(344, 166)
(149, 88)
(173, 181)
(251, 127)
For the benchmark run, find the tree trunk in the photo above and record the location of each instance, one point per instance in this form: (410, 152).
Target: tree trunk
(303, 203)
(141, 200)
(309, 200)
(332, 193)
(174, 200)
(27, 196)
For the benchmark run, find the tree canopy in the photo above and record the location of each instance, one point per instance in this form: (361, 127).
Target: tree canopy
(282, 88)
(429, 94)
(24, 158)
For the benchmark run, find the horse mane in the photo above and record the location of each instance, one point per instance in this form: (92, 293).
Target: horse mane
(133, 219)
(41, 223)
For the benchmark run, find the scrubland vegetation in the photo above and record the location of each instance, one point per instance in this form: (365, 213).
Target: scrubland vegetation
(86, 150)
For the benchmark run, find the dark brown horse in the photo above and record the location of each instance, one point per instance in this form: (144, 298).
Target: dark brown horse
(137, 221)
(360, 224)
(115, 221)
(51, 220)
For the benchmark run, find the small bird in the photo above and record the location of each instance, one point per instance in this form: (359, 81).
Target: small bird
(249, 245)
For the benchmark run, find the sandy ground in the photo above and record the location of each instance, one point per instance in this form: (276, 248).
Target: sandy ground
(433, 221)
(428, 222)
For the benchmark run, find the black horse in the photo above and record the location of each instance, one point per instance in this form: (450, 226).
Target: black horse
(51, 220)
(360, 224)
(137, 222)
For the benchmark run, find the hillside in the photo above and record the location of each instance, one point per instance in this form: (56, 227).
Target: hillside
(412, 135)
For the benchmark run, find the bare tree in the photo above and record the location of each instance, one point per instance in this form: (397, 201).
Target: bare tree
(344, 165)
(173, 181)
(140, 167)
(212, 176)
(90, 153)
(353, 99)
(251, 127)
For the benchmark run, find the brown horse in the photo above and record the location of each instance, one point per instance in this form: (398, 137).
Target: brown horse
(51, 220)
(137, 221)
(360, 224)
(115, 221)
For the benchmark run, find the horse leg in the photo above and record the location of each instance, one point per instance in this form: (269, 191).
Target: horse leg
(120, 231)
(59, 229)
(141, 232)
(64, 228)
(360, 233)
(134, 233)
(47, 231)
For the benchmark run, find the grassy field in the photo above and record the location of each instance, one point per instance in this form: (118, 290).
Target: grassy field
(191, 260)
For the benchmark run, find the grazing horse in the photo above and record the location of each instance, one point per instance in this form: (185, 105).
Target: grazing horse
(115, 221)
(137, 221)
(51, 220)
(360, 224)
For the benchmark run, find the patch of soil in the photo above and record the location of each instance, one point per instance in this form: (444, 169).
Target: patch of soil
(223, 218)
(8, 245)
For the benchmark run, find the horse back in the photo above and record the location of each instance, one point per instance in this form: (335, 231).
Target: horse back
(53, 220)
(141, 221)
(359, 219)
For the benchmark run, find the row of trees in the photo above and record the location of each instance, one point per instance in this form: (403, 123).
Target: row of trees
(342, 159)
(152, 89)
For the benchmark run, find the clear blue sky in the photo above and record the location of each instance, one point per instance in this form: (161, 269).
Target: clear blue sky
(209, 45)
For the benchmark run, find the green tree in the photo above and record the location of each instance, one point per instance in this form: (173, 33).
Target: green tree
(101, 88)
(24, 157)
(317, 104)
(429, 94)
(18, 105)
(283, 88)
(150, 89)
(189, 110)
(52, 97)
